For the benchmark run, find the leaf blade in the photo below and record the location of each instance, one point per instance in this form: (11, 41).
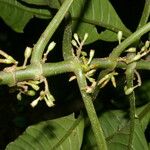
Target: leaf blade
(97, 13)
(17, 15)
(47, 134)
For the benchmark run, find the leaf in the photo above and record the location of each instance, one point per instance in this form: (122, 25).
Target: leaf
(17, 15)
(117, 132)
(50, 3)
(97, 13)
(144, 115)
(65, 132)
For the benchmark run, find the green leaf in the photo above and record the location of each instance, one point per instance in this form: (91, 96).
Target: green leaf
(50, 3)
(97, 13)
(117, 132)
(65, 133)
(144, 115)
(17, 15)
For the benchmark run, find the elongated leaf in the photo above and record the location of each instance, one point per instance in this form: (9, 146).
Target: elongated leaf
(100, 13)
(117, 132)
(17, 15)
(50, 3)
(66, 133)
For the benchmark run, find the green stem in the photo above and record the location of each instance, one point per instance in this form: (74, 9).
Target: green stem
(106, 63)
(51, 69)
(66, 45)
(129, 78)
(131, 39)
(87, 99)
(145, 14)
(33, 72)
(47, 34)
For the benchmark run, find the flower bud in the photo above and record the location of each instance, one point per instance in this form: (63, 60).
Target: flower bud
(147, 44)
(76, 37)
(30, 93)
(128, 91)
(19, 97)
(119, 36)
(85, 37)
(35, 102)
(74, 43)
(51, 46)
(131, 50)
(27, 52)
(92, 52)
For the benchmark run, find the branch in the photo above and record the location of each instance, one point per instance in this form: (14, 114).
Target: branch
(50, 69)
(104, 63)
(131, 39)
(87, 99)
(66, 43)
(129, 78)
(33, 72)
(47, 34)
(145, 14)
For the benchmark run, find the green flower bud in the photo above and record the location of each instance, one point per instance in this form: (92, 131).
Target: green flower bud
(84, 53)
(7, 61)
(51, 46)
(129, 90)
(131, 50)
(35, 87)
(147, 44)
(30, 93)
(35, 102)
(113, 81)
(137, 57)
(49, 100)
(85, 37)
(76, 37)
(74, 43)
(27, 52)
(92, 52)
(119, 36)
(19, 97)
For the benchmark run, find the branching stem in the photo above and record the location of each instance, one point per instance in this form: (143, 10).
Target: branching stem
(127, 42)
(87, 99)
(47, 34)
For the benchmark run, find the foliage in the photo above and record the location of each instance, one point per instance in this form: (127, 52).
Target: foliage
(122, 119)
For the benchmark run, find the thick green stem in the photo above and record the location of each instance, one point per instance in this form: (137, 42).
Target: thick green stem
(145, 14)
(51, 69)
(47, 34)
(66, 45)
(87, 99)
(33, 72)
(129, 78)
(131, 39)
(106, 63)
